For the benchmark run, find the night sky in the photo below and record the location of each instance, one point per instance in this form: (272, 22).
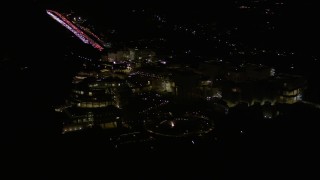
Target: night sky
(295, 23)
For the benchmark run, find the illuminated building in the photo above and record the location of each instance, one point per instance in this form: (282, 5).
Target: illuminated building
(292, 88)
(96, 93)
(252, 83)
(94, 102)
(95, 99)
(136, 57)
(160, 82)
(81, 119)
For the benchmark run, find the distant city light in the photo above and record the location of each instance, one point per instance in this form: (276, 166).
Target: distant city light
(272, 72)
(163, 62)
(172, 124)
